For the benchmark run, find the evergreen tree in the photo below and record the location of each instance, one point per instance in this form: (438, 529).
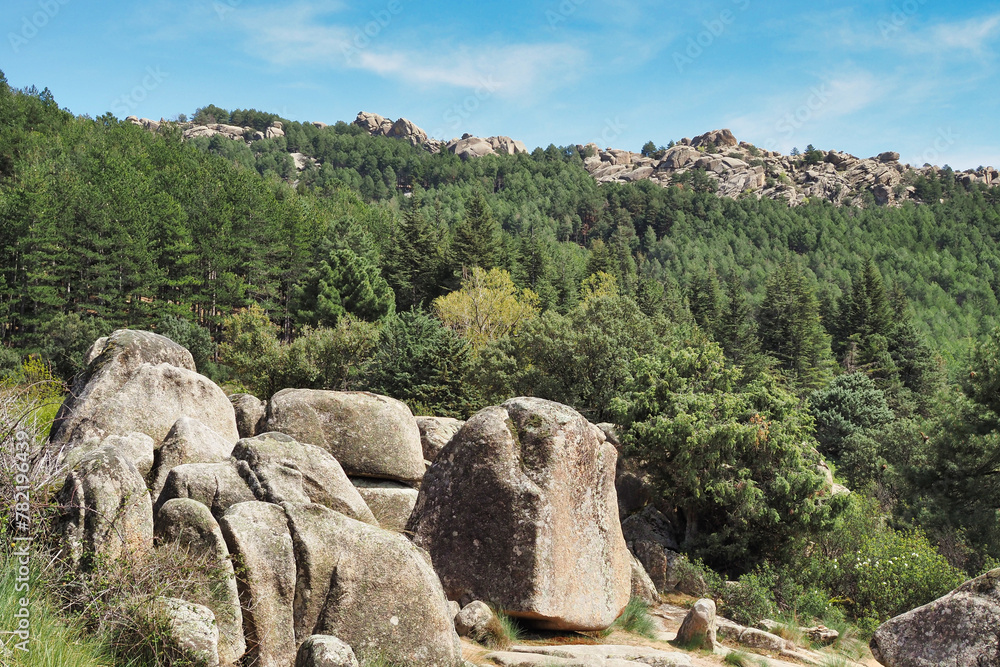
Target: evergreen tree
(790, 327)
(343, 283)
(424, 364)
(705, 300)
(736, 331)
(413, 266)
(866, 310)
(477, 237)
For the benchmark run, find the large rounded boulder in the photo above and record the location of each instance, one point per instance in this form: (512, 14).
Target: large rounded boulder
(272, 455)
(111, 362)
(155, 397)
(370, 435)
(371, 588)
(106, 512)
(520, 509)
(961, 628)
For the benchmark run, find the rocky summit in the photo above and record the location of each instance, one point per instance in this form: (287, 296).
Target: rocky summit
(714, 161)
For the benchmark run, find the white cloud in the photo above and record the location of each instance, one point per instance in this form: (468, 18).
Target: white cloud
(974, 35)
(305, 36)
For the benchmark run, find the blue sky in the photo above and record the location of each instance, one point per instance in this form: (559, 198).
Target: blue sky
(916, 76)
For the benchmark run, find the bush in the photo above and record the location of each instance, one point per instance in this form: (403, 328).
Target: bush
(501, 631)
(748, 600)
(893, 573)
(67, 339)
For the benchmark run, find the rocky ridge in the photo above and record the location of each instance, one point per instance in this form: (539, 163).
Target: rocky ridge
(737, 168)
(733, 168)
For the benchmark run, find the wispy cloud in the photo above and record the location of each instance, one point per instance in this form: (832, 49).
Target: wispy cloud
(305, 36)
(974, 37)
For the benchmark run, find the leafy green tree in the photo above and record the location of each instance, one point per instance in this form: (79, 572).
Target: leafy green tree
(338, 357)
(736, 464)
(250, 347)
(342, 283)
(488, 307)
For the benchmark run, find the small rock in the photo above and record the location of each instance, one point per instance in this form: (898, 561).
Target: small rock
(698, 627)
(325, 651)
(192, 636)
(473, 619)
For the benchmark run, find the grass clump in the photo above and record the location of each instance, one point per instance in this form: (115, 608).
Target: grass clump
(634, 618)
(54, 641)
(743, 659)
(501, 631)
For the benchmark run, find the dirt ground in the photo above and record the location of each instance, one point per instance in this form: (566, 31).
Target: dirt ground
(667, 617)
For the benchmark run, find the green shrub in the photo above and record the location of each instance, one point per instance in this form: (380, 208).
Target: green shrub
(813, 603)
(501, 631)
(895, 572)
(748, 600)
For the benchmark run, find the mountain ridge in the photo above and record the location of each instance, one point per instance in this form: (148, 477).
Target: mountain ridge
(714, 162)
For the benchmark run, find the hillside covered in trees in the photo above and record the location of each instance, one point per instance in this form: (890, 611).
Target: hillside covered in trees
(736, 343)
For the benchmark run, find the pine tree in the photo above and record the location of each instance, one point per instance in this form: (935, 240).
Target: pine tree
(413, 266)
(705, 300)
(477, 237)
(866, 310)
(790, 327)
(343, 283)
(736, 330)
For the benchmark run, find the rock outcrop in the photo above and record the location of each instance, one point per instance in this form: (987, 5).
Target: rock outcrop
(738, 169)
(188, 441)
(111, 362)
(217, 486)
(257, 534)
(371, 588)
(370, 435)
(321, 478)
(404, 129)
(137, 447)
(105, 510)
(251, 413)
(961, 628)
(190, 525)
(390, 502)
(520, 509)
